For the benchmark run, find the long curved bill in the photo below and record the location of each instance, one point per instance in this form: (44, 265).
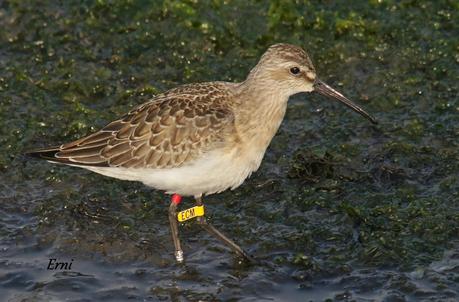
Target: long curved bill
(323, 89)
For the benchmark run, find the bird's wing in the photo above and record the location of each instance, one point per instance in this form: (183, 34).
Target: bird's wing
(169, 131)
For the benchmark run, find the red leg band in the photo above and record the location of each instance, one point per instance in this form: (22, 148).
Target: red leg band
(176, 199)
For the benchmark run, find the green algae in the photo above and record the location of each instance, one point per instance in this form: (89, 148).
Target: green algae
(334, 193)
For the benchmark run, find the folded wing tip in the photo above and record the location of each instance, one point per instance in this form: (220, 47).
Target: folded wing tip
(50, 154)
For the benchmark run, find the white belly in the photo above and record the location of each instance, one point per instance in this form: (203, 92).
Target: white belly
(214, 172)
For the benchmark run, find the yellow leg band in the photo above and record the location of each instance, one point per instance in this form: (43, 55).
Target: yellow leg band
(190, 213)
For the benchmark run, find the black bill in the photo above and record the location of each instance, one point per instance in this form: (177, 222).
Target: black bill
(326, 90)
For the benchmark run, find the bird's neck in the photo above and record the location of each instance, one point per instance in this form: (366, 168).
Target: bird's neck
(260, 111)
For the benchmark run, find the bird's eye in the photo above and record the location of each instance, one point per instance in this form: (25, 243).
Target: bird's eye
(294, 70)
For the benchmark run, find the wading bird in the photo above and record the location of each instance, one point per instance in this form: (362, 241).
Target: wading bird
(200, 139)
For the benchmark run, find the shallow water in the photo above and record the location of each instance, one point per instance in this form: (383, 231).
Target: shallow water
(340, 210)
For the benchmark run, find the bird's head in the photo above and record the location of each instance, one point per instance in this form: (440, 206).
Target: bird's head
(292, 71)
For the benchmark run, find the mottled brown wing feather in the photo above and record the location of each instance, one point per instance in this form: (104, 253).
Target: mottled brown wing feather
(172, 129)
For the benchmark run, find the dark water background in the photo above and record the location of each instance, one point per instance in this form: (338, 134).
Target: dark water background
(339, 211)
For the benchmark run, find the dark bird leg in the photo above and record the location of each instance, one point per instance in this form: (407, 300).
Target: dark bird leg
(216, 233)
(174, 226)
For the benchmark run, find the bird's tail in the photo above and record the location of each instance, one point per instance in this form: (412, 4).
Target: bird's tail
(59, 155)
(48, 153)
